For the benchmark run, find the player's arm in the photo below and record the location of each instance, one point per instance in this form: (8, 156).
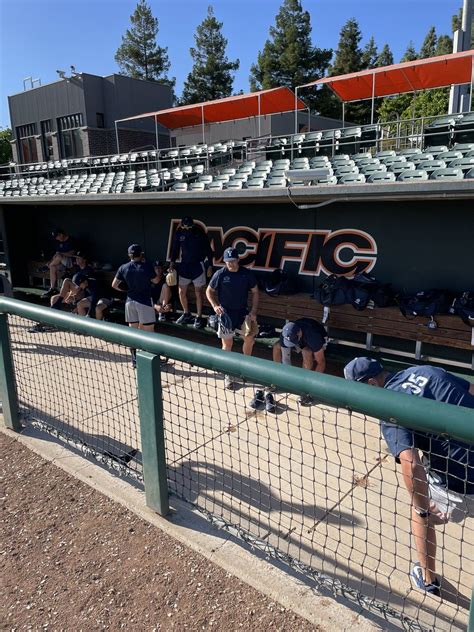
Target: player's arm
(320, 361)
(117, 284)
(213, 299)
(254, 308)
(471, 389)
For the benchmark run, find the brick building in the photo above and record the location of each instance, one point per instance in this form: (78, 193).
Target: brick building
(75, 116)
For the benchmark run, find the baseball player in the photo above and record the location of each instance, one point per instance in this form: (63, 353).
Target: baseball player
(138, 275)
(228, 295)
(192, 244)
(438, 472)
(305, 336)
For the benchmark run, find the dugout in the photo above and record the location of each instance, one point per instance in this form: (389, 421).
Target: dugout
(416, 236)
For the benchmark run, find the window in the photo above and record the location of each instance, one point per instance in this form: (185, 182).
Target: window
(100, 119)
(70, 135)
(27, 142)
(47, 139)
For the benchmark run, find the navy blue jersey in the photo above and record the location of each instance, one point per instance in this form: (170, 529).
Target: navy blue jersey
(448, 460)
(137, 275)
(314, 336)
(233, 287)
(92, 292)
(65, 246)
(192, 245)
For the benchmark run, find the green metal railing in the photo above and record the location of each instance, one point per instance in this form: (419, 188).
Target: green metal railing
(412, 412)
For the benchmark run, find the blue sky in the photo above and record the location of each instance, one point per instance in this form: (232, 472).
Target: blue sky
(39, 36)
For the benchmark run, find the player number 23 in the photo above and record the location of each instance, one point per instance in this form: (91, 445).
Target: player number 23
(415, 383)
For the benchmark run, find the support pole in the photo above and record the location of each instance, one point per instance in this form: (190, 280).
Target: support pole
(373, 99)
(157, 140)
(296, 110)
(150, 402)
(343, 114)
(117, 137)
(8, 394)
(202, 122)
(259, 115)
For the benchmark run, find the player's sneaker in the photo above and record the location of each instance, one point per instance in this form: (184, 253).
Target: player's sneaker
(305, 400)
(162, 317)
(270, 405)
(258, 401)
(199, 323)
(416, 576)
(185, 319)
(51, 292)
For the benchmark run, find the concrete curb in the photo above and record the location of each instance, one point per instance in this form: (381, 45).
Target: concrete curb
(192, 529)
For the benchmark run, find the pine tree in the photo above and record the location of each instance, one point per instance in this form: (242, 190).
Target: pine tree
(211, 77)
(444, 45)
(428, 48)
(385, 58)
(410, 53)
(289, 57)
(348, 58)
(139, 55)
(369, 54)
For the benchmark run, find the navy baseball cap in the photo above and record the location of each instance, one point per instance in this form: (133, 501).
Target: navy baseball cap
(57, 231)
(362, 369)
(187, 221)
(231, 254)
(159, 264)
(135, 250)
(289, 335)
(79, 278)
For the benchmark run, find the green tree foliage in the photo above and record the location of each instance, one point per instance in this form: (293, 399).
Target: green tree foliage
(456, 23)
(410, 53)
(289, 57)
(444, 46)
(428, 48)
(211, 76)
(369, 55)
(139, 55)
(5, 147)
(385, 58)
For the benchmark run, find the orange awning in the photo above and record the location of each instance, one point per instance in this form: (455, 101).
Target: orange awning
(410, 76)
(228, 109)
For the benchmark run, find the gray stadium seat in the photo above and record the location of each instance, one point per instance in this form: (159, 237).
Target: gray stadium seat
(464, 148)
(385, 153)
(464, 128)
(469, 175)
(382, 176)
(409, 151)
(431, 165)
(398, 168)
(447, 156)
(346, 170)
(416, 174)
(368, 170)
(465, 164)
(197, 186)
(447, 174)
(325, 180)
(255, 184)
(275, 183)
(215, 186)
(352, 178)
(234, 184)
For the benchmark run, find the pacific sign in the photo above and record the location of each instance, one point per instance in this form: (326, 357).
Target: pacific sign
(343, 252)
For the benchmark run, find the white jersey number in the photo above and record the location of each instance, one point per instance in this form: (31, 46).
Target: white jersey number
(415, 384)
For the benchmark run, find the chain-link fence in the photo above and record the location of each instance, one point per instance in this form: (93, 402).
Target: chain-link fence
(311, 486)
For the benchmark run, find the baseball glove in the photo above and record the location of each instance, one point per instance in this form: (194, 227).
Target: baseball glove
(171, 278)
(250, 327)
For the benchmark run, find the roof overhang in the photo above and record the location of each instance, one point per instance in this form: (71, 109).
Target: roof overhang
(412, 76)
(240, 106)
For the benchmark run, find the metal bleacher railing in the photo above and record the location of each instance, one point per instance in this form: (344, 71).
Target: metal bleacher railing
(435, 148)
(313, 488)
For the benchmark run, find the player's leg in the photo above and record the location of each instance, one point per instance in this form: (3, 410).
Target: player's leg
(186, 316)
(83, 306)
(308, 359)
(102, 306)
(199, 284)
(276, 352)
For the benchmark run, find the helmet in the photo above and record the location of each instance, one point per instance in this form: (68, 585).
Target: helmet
(172, 278)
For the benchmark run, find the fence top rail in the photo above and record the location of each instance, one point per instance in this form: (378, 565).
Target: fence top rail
(413, 412)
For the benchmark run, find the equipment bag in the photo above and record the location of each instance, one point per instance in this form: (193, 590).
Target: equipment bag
(425, 303)
(334, 291)
(277, 284)
(366, 289)
(463, 306)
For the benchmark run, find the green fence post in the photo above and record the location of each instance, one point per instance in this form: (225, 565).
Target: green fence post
(7, 380)
(470, 625)
(150, 402)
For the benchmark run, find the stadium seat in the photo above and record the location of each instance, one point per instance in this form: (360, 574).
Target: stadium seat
(447, 156)
(370, 169)
(465, 164)
(415, 174)
(398, 168)
(206, 178)
(243, 177)
(464, 129)
(319, 161)
(422, 157)
(469, 175)
(382, 176)
(344, 170)
(440, 131)
(255, 184)
(350, 139)
(234, 184)
(352, 178)
(447, 174)
(384, 154)
(275, 183)
(215, 186)
(431, 165)
(325, 180)
(180, 186)
(464, 148)
(197, 186)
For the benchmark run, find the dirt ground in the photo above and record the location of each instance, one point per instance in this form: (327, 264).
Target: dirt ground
(74, 560)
